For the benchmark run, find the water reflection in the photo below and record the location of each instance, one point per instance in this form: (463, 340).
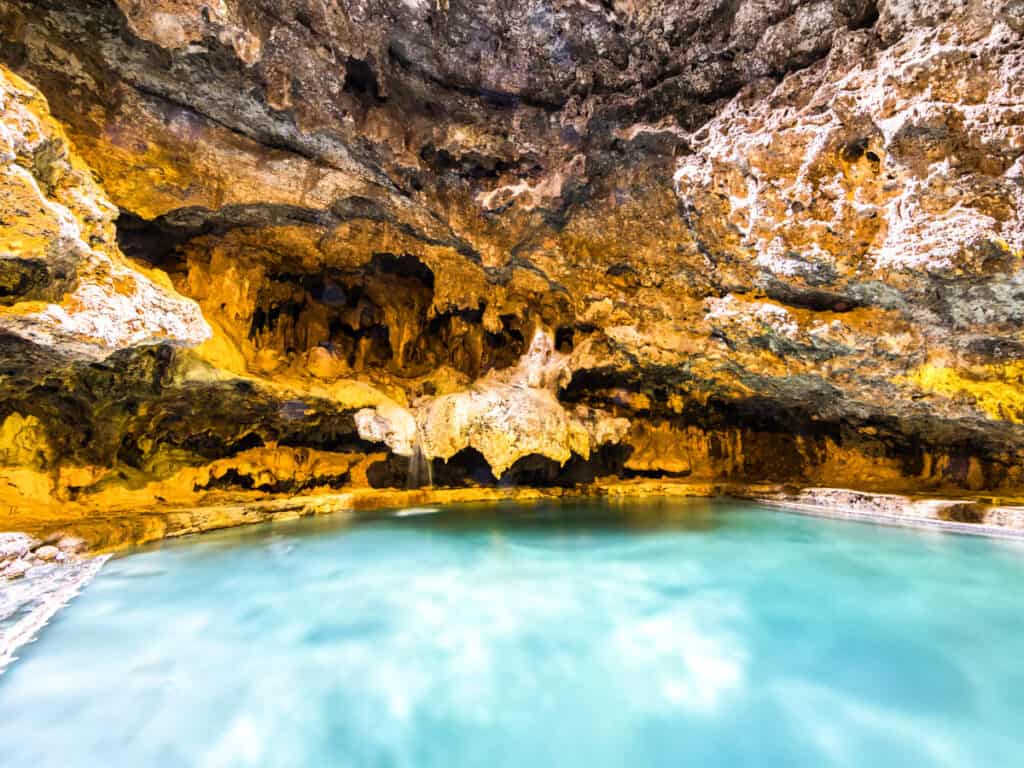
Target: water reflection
(587, 516)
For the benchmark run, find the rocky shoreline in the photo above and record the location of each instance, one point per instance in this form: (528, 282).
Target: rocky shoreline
(30, 600)
(38, 576)
(20, 552)
(975, 517)
(119, 529)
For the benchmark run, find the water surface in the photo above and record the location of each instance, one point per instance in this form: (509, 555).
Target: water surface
(583, 634)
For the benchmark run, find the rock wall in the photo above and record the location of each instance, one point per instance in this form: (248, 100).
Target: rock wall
(266, 248)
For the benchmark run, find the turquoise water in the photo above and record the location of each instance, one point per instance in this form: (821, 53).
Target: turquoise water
(648, 634)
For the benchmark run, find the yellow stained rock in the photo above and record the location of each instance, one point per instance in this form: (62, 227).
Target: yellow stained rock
(997, 390)
(23, 441)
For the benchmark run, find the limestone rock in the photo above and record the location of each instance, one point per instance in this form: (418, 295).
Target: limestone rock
(17, 569)
(66, 286)
(515, 413)
(47, 553)
(389, 424)
(16, 545)
(252, 250)
(72, 545)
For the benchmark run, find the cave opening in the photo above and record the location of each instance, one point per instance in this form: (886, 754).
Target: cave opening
(361, 80)
(154, 243)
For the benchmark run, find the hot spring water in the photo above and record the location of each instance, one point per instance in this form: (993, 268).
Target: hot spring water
(666, 633)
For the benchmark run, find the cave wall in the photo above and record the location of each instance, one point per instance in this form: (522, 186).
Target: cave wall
(267, 248)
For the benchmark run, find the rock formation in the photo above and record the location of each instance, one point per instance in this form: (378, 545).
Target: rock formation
(257, 248)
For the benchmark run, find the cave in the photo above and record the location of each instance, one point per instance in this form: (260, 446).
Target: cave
(524, 277)
(225, 256)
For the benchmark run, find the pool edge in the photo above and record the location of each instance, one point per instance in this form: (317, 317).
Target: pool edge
(27, 629)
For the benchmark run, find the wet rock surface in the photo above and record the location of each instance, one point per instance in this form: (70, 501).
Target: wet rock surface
(29, 599)
(20, 553)
(250, 250)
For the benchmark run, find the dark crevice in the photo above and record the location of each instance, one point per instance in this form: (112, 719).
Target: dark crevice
(153, 243)
(499, 100)
(361, 81)
(233, 479)
(867, 19)
(379, 316)
(810, 298)
(182, 224)
(33, 280)
(212, 446)
(471, 166)
(468, 467)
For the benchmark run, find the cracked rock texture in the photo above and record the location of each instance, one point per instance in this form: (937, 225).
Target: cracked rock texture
(257, 247)
(64, 284)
